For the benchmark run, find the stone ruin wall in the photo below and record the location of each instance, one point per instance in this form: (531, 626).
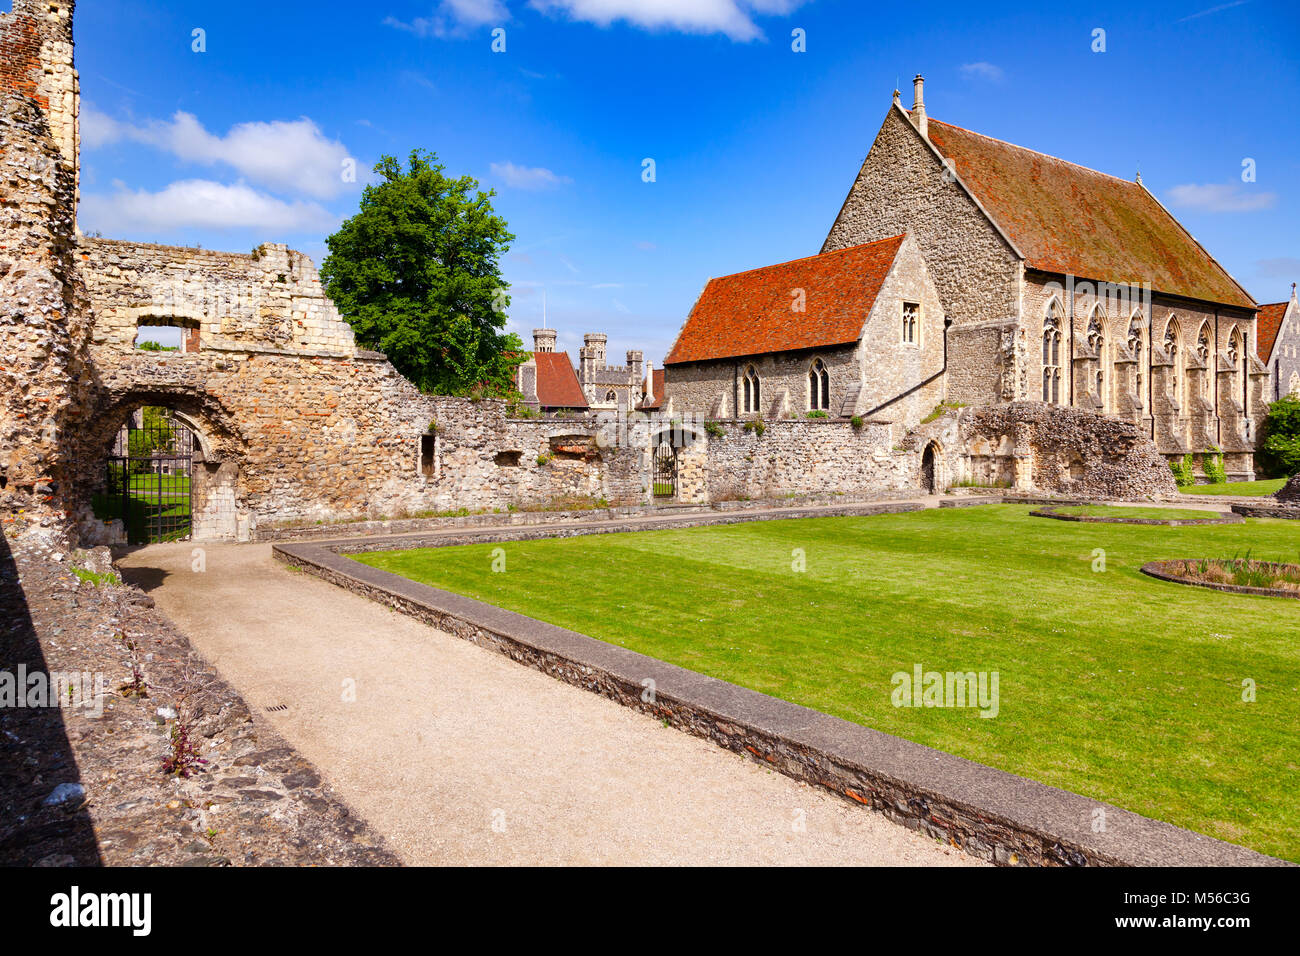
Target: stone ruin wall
(1031, 446)
(43, 316)
(794, 457)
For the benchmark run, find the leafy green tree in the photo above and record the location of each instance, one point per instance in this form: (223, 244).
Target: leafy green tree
(1280, 437)
(416, 274)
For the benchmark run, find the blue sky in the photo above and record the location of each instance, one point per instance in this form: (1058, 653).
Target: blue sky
(754, 144)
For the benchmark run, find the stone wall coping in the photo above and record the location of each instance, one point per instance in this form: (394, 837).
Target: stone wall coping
(988, 812)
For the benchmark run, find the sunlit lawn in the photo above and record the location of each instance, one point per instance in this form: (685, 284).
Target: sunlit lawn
(1252, 489)
(1112, 684)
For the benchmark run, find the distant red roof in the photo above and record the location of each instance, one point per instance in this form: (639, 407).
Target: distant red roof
(557, 383)
(656, 396)
(750, 313)
(1268, 324)
(1073, 220)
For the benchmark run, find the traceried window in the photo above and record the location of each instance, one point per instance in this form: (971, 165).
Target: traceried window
(611, 396)
(1052, 356)
(750, 390)
(819, 386)
(911, 323)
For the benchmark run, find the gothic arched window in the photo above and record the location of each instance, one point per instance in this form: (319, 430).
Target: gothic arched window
(751, 392)
(819, 386)
(1052, 354)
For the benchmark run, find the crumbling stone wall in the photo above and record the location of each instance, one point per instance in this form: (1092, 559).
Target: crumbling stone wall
(794, 457)
(43, 320)
(1050, 449)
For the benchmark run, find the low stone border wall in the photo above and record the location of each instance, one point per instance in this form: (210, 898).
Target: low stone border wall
(1156, 569)
(527, 518)
(1272, 509)
(991, 814)
(1223, 518)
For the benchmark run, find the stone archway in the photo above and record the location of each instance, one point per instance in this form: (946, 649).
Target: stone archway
(930, 469)
(214, 463)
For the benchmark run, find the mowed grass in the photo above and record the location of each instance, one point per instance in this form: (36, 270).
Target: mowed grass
(1111, 684)
(1251, 489)
(1116, 511)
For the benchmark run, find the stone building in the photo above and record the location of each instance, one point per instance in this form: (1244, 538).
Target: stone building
(1064, 285)
(609, 386)
(1279, 344)
(547, 380)
(852, 332)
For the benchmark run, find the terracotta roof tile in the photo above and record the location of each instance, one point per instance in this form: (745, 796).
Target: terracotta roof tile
(750, 313)
(557, 382)
(1268, 324)
(1070, 219)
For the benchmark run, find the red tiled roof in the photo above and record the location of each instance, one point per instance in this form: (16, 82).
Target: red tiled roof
(1268, 324)
(557, 383)
(750, 313)
(1070, 219)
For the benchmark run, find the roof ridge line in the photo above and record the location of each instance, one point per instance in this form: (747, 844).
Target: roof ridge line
(1036, 152)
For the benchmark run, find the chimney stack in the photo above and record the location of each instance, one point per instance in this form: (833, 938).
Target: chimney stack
(918, 106)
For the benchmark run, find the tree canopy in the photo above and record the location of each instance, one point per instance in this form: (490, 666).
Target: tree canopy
(416, 274)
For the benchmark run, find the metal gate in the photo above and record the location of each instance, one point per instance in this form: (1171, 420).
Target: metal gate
(149, 473)
(665, 470)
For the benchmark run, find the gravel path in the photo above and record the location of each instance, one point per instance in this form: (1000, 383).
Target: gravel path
(457, 755)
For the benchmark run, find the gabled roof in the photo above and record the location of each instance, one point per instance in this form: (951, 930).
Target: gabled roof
(557, 382)
(1073, 220)
(1267, 325)
(750, 313)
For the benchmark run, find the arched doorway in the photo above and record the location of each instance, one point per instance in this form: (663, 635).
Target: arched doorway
(929, 480)
(149, 478)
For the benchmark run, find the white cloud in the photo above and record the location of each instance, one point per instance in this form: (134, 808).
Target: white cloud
(200, 204)
(294, 156)
(982, 71)
(732, 18)
(527, 177)
(454, 18)
(1220, 197)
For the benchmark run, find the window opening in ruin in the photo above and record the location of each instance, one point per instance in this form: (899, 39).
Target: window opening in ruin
(156, 334)
(428, 449)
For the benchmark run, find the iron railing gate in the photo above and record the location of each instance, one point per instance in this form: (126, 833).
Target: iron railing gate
(665, 470)
(149, 477)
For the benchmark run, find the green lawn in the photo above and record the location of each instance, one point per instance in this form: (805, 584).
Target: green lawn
(1114, 511)
(1112, 684)
(1253, 489)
